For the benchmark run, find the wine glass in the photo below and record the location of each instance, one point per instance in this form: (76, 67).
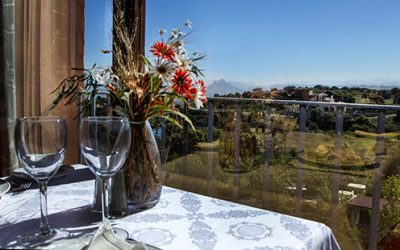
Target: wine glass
(40, 143)
(105, 144)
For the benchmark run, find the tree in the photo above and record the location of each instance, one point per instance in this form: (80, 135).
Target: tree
(396, 119)
(375, 98)
(348, 121)
(362, 123)
(324, 120)
(334, 88)
(385, 93)
(395, 91)
(390, 215)
(396, 95)
(246, 94)
(344, 96)
(364, 95)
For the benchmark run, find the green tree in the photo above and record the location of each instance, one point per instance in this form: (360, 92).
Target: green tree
(362, 123)
(390, 215)
(324, 120)
(376, 98)
(396, 95)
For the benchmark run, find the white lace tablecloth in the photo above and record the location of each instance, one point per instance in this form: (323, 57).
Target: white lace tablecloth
(181, 220)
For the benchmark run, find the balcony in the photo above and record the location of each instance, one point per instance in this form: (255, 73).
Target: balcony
(269, 154)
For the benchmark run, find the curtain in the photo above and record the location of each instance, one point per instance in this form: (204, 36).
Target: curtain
(49, 37)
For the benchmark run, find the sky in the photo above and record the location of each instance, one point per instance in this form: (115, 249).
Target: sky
(267, 42)
(98, 32)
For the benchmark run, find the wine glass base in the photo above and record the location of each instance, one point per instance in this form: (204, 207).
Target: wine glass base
(121, 233)
(38, 238)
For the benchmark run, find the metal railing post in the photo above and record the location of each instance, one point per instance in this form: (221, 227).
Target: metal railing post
(184, 167)
(300, 171)
(210, 128)
(337, 164)
(376, 196)
(267, 154)
(210, 152)
(236, 175)
(185, 133)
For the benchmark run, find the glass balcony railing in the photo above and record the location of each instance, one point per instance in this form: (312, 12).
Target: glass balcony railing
(321, 161)
(336, 163)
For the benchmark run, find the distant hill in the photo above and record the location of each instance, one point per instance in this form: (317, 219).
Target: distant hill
(222, 87)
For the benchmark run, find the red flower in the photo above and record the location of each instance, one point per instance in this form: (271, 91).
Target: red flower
(160, 49)
(183, 83)
(110, 88)
(156, 102)
(203, 88)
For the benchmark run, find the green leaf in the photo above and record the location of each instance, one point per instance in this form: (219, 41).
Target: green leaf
(185, 117)
(146, 61)
(154, 83)
(172, 120)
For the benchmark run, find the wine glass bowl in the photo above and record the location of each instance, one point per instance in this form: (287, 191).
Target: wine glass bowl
(40, 144)
(105, 143)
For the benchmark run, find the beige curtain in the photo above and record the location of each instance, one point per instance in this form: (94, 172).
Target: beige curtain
(49, 36)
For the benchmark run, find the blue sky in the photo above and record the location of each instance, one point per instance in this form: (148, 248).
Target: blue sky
(284, 41)
(98, 32)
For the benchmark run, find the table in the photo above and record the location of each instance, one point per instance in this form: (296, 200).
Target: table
(181, 220)
(364, 203)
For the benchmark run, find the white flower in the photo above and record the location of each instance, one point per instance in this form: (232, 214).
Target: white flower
(164, 70)
(199, 98)
(113, 79)
(104, 76)
(175, 33)
(181, 48)
(183, 61)
(188, 23)
(162, 31)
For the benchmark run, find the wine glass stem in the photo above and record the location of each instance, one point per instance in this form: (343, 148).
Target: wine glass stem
(104, 198)
(44, 223)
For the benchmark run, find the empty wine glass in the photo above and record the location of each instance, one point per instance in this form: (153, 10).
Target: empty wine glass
(40, 144)
(105, 143)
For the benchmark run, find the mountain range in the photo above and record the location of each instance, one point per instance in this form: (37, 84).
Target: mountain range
(224, 87)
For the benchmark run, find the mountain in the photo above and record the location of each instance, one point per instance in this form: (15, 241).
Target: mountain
(222, 87)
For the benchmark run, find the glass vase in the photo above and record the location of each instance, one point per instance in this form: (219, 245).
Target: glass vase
(137, 186)
(142, 182)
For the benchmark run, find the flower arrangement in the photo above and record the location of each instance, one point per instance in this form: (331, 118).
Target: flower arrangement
(169, 78)
(141, 88)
